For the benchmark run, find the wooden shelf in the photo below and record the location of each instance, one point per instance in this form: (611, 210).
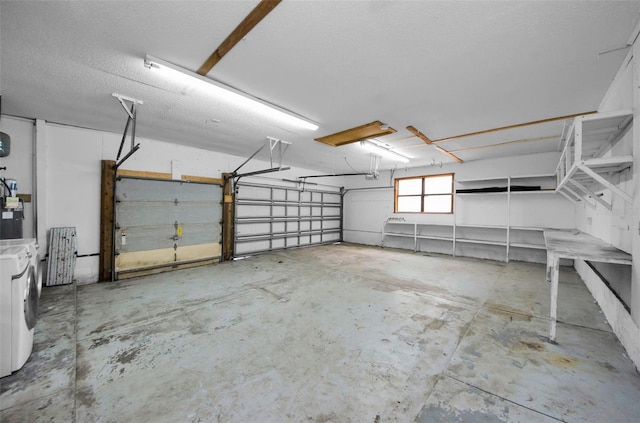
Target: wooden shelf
(521, 238)
(528, 246)
(583, 169)
(437, 238)
(467, 181)
(481, 193)
(527, 228)
(542, 191)
(481, 241)
(467, 225)
(398, 234)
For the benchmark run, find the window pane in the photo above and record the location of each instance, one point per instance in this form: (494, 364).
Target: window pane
(410, 187)
(437, 204)
(438, 184)
(409, 204)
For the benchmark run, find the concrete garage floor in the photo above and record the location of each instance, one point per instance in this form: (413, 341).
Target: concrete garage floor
(337, 333)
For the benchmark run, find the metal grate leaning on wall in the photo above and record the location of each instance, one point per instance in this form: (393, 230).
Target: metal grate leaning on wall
(62, 256)
(275, 217)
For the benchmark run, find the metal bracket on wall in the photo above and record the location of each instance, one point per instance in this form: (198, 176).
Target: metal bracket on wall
(131, 120)
(275, 145)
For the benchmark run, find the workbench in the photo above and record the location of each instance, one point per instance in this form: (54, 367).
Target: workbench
(576, 245)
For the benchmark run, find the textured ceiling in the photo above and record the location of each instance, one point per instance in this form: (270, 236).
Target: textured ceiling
(445, 67)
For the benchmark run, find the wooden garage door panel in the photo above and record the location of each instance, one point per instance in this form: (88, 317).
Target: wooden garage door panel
(150, 258)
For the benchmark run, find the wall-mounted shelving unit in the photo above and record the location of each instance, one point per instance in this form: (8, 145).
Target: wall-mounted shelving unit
(587, 164)
(478, 204)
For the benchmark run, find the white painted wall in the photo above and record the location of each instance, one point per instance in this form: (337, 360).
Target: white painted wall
(19, 163)
(367, 209)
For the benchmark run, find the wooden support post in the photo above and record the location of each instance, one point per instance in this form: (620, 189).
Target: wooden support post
(107, 216)
(228, 217)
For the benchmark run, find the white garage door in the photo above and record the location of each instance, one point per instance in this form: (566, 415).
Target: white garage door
(165, 223)
(274, 217)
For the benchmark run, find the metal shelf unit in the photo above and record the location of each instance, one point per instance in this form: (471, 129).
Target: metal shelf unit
(583, 169)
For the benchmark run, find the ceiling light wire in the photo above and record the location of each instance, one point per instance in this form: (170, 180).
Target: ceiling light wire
(347, 162)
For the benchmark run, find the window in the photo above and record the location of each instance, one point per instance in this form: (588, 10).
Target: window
(424, 194)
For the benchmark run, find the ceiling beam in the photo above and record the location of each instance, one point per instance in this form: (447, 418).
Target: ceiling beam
(257, 14)
(500, 144)
(426, 140)
(348, 136)
(453, 156)
(419, 134)
(518, 125)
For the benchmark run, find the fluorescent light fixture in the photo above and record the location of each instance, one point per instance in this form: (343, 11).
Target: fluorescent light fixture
(227, 93)
(382, 149)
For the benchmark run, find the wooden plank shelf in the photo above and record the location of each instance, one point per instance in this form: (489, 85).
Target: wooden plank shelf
(583, 170)
(437, 238)
(528, 246)
(527, 241)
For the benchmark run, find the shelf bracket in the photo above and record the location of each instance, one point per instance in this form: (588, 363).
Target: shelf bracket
(571, 195)
(591, 194)
(598, 178)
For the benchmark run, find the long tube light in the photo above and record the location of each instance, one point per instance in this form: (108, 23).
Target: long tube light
(220, 90)
(378, 148)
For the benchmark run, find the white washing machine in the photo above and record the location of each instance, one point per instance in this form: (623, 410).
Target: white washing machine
(32, 246)
(18, 307)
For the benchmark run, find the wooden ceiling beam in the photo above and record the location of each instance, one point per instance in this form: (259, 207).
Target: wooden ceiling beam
(257, 14)
(348, 136)
(448, 153)
(518, 125)
(428, 141)
(419, 134)
(501, 144)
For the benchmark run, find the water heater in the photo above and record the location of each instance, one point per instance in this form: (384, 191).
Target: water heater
(12, 210)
